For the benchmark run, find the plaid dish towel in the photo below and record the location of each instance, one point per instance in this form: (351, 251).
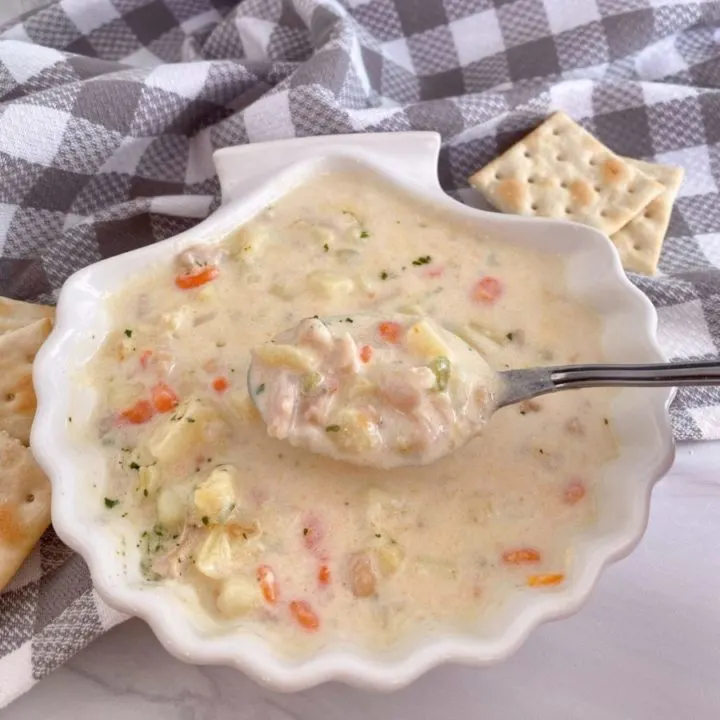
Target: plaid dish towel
(110, 109)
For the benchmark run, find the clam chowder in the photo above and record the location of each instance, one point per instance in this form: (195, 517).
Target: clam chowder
(305, 550)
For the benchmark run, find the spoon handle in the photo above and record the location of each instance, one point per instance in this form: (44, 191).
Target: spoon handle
(525, 384)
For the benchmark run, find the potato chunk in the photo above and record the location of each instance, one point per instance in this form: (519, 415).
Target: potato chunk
(216, 497)
(182, 432)
(424, 341)
(238, 596)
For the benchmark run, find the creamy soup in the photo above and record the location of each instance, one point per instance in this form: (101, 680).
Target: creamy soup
(304, 550)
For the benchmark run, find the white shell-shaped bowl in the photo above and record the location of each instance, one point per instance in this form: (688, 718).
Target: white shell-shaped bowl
(251, 177)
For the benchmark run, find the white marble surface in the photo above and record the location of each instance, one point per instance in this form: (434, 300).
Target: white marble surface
(646, 647)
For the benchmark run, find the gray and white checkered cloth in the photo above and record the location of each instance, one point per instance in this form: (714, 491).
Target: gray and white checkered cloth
(110, 110)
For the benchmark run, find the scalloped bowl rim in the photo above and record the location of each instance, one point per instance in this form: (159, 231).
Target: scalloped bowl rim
(53, 446)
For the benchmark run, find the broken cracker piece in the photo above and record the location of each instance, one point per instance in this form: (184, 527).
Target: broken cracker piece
(640, 241)
(17, 395)
(24, 505)
(561, 171)
(15, 314)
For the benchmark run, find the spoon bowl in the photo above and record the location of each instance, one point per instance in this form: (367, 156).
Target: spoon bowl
(399, 391)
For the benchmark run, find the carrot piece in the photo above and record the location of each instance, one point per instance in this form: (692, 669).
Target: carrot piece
(164, 398)
(221, 384)
(324, 575)
(139, 413)
(390, 331)
(196, 279)
(521, 555)
(304, 615)
(545, 580)
(268, 584)
(574, 493)
(145, 358)
(487, 290)
(366, 353)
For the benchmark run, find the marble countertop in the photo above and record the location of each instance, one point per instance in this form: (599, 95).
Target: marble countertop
(646, 646)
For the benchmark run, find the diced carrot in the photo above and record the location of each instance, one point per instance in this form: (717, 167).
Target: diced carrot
(487, 290)
(139, 413)
(324, 575)
(545, 580)
(520, 556)
(304, 615)
(366, 353)
(574, 493)
(390, 331)
(268, 584)
(196, 279)
(221, 384)
(145, 357)
(164, 398)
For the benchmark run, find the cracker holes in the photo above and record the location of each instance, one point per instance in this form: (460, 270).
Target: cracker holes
(526, 154)
(531, 180)
(9, 397)
(563, 185)
(637, 247)
(592, 161)
(498, 176)
(630, 190)
(559, 158)
(29, 498)
(568, 211)
(534, 206)
(597, 189)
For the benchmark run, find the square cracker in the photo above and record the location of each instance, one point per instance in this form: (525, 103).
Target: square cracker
(561, 171)
(640, 241)
(24, 505)
(17, 395)
(15, 314)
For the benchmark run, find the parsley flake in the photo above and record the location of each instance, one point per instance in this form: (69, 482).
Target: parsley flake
(332, 428)
(364, 234)
(128, 332)
(205, 520)
(260, 389)
(422, 260)
(134, 466)
(384, 275)
(110, 503)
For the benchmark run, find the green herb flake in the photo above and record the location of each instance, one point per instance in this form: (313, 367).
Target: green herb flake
(260, 389)
(364, 234)
(190, 419)
(134, 466)
(306, 531)
(384, 275)
(510, 336)
(422, 260)
(145, 492)
(378, 535)
(205, 520)
(348, 320)
(332, 428)
(326, 247)
(128, 332)
(606, 421)
(69, 418)
(110, 503)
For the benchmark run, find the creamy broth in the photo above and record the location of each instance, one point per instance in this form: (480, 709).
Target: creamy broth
(302, 549)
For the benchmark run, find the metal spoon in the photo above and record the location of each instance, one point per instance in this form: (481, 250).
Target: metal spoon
(471, 374)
